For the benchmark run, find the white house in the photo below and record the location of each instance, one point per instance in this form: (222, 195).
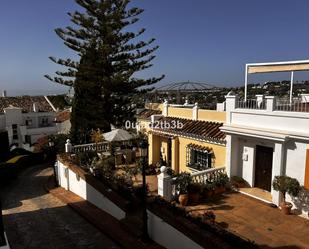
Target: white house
(28, 118)
(267, 137)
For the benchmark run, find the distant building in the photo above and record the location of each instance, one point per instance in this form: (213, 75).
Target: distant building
(28, 118)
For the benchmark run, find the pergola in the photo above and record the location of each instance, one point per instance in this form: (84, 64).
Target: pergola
(271, 67)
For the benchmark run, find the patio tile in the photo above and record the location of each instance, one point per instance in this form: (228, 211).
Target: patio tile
(259, 222)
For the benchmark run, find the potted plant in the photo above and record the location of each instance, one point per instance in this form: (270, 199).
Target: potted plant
(220, 182)
(286, 184)
(194, 190)
(182, 181)
(208, 189)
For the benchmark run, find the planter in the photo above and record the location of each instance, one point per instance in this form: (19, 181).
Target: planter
(194, 198)
(208, 193)
(219, 190)
(286, 207)
(183, 199)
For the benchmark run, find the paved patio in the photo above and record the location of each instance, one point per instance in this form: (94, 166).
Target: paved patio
(257, 221)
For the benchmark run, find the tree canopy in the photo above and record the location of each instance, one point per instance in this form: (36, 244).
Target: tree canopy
(110, 54)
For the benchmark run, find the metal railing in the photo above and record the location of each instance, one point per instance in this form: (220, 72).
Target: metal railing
(295, 106)
(98, 147)
(202, 177)
(251, 104)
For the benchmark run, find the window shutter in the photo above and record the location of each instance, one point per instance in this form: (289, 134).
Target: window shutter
(306, 185)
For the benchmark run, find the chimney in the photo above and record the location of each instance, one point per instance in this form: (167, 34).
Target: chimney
(4, 93)
(35, 107)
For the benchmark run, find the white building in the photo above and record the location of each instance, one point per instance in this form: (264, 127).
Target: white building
(29, 118)
(267, 137)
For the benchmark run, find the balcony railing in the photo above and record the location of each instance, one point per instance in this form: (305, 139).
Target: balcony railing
(251, 104)
(208, 175)
(202, 177)
(99, 147)
(295, 106)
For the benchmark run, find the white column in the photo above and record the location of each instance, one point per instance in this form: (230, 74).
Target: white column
(246, 83)
(195, 112)
(228, 160)
(278, 167)
(165, 108)
(259, 100)
(231, 101)
(68, 146)
(291, 90)
(164, 184)
(270, 103)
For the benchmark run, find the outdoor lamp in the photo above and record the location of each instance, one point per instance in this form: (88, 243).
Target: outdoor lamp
(51, 145)
(144, 148)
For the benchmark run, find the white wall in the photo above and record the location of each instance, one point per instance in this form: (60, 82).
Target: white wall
(167, 236)
(282, 121)
(2, 121)
(80, 187)
(13, 116)
(296, 159)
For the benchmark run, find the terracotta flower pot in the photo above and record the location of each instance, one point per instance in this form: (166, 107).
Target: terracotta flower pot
(286, 207)
(183, 199)
(208, 193)
(219, 190)
(194, 198)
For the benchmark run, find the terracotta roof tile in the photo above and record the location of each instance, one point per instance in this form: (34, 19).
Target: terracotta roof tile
(147, 113)
(63, 116)
(26, 103)
(193, 128)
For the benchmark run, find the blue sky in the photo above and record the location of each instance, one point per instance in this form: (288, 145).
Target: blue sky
(200, 40)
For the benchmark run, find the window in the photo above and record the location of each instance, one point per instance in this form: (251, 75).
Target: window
(15, 133)
(199, 158)
(27, 139)
(44, 122)
(306, 185)
(28, 122)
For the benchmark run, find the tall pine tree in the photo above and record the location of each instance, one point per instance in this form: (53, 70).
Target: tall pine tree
(110, 55)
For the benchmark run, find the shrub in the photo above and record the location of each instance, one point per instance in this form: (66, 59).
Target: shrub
(286, 184)
(85, 159)
(194, 188)
(106, 165)
(171, 172)
(182, 182)
(222, 179)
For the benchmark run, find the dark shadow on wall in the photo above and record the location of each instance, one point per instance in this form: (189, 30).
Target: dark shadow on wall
(302, 202)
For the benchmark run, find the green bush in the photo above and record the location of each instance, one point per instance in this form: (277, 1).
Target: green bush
(286, 184)
(85, 159)
(182, 182)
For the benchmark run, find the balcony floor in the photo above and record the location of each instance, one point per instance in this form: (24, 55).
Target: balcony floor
(256, 221)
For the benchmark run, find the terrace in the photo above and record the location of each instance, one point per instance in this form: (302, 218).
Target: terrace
(247, 217)
(255, 220)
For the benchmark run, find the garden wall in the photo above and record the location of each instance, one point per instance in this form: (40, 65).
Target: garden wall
(74, 179)
(167, 236)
